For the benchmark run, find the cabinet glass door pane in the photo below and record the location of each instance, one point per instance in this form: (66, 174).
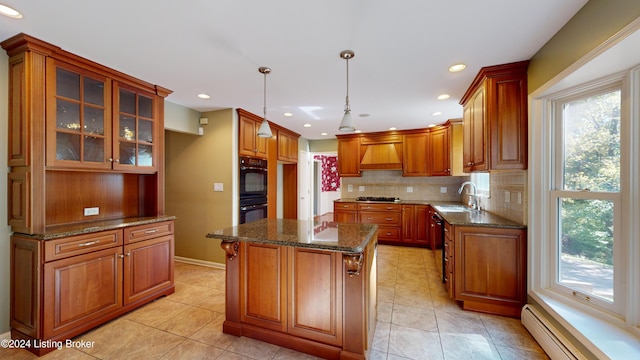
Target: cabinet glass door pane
(67, 146)
(127, 153)
(93, 91)
(94, 149)
(127, 102)
(127, 127)
(145, 106)
(145, 131)
(145, 155)
(67, 84)
(93, 120)
(67, 115)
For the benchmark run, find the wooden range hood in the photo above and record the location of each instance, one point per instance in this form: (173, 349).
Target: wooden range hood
(381, 152)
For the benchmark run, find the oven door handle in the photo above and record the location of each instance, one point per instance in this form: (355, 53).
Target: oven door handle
(252, 168)
(437, 219)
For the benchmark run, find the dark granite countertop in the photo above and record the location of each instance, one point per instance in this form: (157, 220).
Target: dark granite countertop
(55, 232)
(458, 218)
(321, 235)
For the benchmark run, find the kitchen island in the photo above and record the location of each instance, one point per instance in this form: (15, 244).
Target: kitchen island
(305, 285)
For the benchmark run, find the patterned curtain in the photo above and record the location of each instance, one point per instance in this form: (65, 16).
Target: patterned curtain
(330, 177)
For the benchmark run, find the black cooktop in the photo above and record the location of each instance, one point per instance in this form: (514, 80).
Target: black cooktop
(378, 198)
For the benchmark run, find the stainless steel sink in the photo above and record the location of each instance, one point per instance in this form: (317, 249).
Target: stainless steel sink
(452, 208)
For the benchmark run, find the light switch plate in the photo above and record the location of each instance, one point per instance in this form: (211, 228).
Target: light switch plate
(507, 196)
(349, 188)
(409, 188)
(360, 188)
(443, 190)
(91, 211)
(218, 187)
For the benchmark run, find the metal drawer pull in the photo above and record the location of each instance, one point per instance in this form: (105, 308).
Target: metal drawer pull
(389, 219)
(89, 243)
(151, 231)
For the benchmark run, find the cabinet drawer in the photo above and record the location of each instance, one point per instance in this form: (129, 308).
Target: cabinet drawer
(380, 207)
(81, 244)
(148, 231)
(388, 233)
(345, 206)
(380, 218)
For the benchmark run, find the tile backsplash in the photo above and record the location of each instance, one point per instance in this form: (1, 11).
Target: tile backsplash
(391, 183)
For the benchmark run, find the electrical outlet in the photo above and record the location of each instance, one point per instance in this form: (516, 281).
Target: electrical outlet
(443, 190)
(409, 188)
(360, 188)
(91, 211)
(218, 187)
(349, 188)
(507, 196)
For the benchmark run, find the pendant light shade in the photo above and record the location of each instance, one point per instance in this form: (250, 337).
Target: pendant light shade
(346, 125)
(265, 130)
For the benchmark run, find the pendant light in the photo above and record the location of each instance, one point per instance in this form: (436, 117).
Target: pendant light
(346, 125)
(265, 130)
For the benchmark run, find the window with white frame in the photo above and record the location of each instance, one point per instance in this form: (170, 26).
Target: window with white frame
(585, 196)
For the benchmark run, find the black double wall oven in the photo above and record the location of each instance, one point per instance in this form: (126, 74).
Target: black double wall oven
(253, 189)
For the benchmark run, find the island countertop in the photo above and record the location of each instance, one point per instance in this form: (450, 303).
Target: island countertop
(322, 235)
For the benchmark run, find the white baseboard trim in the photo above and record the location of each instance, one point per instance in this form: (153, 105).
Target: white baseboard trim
(6, 336)
(198, 262)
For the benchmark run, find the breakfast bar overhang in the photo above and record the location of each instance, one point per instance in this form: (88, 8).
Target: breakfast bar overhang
(305, 285)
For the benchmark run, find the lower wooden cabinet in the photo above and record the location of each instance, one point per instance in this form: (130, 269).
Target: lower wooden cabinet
(63, 287)
(490, 269)
(398, 224)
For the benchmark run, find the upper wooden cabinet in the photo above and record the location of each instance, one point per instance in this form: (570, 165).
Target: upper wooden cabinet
(418, 152)
(249, 142)
(98, 129)
(495, 119)
(348, 156)
(439, 154)
(287, 146)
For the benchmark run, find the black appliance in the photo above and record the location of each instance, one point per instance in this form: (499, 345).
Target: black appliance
(253, 209)
(253, 189)
(437, 243)
(253, 177)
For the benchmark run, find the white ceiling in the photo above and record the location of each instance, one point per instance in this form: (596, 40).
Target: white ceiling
(402, 51)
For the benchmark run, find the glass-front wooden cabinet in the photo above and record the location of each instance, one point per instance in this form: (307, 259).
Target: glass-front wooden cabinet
(78, 118)
(135, 127)
(91, 126)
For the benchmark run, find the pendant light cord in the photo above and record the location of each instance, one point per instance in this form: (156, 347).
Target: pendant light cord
(346, 106)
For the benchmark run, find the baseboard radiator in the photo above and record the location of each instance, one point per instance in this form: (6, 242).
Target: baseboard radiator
(550, 339)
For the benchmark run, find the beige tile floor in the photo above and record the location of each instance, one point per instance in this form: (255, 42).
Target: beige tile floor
(416, 320)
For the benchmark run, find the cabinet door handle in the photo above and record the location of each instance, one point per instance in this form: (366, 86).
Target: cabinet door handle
(89, 243)
(128, 254)
(117, 160)
(389, 219)
(469, 164)
(121, 256)
(110, 159)
(151, 231)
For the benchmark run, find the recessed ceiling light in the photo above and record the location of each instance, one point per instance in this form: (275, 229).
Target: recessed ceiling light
(323, 134)
(12, 13)
(392, 128)
(443, 97)
(358, 131)
(437, 113)
(457, 67)
(363, 115)
(288, 114)
(431, 125)
(307, 125)
(204, 96)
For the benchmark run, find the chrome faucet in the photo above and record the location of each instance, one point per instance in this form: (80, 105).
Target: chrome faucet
(473, 202)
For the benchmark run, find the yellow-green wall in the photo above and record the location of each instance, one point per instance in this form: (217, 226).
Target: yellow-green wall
(193, 164)
(597, 21)
(328, 145)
